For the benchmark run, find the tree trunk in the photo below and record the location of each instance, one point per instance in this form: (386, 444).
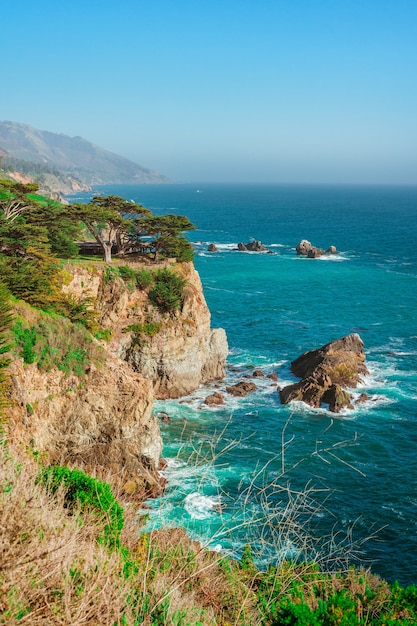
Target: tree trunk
(107, 252)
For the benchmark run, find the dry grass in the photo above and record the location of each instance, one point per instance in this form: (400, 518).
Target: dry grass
(52, 571)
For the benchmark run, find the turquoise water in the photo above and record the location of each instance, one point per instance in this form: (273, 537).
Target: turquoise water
(292, 480)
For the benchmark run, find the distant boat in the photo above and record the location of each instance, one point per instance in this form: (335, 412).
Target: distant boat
(198, 191)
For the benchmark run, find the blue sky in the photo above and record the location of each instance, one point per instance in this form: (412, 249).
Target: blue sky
(255, 91)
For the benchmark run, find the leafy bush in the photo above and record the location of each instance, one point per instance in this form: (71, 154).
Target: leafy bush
(77, 309)
(149, 329)
(35, 278)
(144, 279)
(127, 273)
(110, 273)
(179, 248)
(103, 334)
(89, 493)
(167, 294)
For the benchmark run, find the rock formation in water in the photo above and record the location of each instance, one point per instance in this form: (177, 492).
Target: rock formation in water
(252, 246)
(326, 373)
(305, 248)
(241, 389)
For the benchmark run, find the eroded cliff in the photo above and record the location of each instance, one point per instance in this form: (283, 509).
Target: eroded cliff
(96, 409)
(182, 353)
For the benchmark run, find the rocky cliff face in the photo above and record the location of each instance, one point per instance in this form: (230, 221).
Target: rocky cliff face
(102, 419)
(185, 353)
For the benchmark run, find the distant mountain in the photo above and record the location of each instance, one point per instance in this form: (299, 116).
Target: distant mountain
(74, 156)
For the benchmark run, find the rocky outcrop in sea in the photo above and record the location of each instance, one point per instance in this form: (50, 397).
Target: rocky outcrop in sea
(252, 246)
(327, 373)
(305, 248)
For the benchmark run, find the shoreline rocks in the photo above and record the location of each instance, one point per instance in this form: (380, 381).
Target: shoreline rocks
(241, 389)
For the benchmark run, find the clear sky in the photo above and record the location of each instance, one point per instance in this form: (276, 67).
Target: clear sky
(222, 90)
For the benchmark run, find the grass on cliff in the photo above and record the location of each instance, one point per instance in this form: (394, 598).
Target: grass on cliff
(55, 567)
(52, 341)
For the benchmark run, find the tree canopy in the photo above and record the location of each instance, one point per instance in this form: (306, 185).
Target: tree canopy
(36, 232)
(107, 220)
(167, 232)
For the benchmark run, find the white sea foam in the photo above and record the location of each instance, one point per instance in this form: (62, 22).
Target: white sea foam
(199, 506)
(333, 257)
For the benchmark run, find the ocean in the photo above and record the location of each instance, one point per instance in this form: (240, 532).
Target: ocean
(292, 481)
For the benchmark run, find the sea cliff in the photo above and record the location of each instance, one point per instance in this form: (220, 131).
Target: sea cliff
(101, 418)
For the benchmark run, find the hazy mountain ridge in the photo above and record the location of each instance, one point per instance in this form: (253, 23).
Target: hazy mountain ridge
(74, 156)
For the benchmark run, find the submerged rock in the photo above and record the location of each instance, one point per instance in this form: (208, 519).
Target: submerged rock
(258, 373)
(326, 372)
(215, 399)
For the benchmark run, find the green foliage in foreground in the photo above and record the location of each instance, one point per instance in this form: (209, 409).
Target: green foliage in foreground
(87, 493)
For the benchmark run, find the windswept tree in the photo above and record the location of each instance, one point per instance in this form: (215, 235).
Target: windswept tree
(15, 198)
(167, 231)
(109, 219)
(32, 230)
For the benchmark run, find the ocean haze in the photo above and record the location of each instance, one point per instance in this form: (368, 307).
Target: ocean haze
(74, 156)
(276, 90)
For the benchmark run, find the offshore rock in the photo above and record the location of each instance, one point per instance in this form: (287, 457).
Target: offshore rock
(212, 247)
(326, 372)
(251, 246)
(216, 399)
(305, 248)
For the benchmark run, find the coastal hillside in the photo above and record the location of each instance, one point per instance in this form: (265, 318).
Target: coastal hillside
(74, 156)
(52, 182)
(85, 347)
(93, 342)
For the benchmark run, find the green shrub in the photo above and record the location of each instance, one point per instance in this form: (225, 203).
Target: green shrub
(103, 334)
(87, 493)
(144, 279)
(180, 248)
(110, 273)
(167, 294)
(149, 329)
(78, 310)
(25, 339)
(127, 273)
